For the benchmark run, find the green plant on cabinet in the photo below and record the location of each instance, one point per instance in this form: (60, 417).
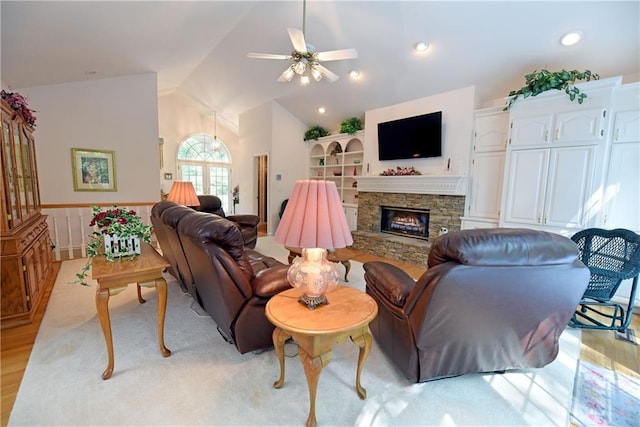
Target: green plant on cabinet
(544, 80)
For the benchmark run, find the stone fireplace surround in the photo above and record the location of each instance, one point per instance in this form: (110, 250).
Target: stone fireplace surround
(443, 195)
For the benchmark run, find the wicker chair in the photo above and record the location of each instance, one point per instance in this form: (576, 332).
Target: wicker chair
(612, 256)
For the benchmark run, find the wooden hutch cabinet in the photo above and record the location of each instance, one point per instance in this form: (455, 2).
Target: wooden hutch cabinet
(25, 247)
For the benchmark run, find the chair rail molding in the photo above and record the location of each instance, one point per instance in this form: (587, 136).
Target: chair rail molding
(452, 185)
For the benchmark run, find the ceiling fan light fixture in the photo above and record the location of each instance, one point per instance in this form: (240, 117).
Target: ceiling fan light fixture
(288, 75)
(304, 80)
(354, 74)
(317, 75)
(299, 67)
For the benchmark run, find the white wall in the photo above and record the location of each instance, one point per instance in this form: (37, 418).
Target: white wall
(116, 114)
(179, 118)
(457, 127)
(289, 160)
(270, 129)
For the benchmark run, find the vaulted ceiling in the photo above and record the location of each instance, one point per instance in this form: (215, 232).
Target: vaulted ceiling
(199, 48)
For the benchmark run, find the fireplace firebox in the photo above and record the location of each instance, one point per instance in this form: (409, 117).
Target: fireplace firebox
(408, 222)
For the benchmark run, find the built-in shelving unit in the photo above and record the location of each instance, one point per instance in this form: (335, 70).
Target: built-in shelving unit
(339, 158)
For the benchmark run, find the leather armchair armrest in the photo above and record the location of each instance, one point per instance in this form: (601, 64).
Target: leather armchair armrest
(245, 220)
(390, 281)
(271, 281)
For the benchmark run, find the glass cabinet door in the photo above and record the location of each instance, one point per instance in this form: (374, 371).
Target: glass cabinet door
(26, 167)
(17, 151)
(7, 160)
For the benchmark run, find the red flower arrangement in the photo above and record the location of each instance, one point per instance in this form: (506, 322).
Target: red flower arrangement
(398, 171)
(19, 104)
(115, 221)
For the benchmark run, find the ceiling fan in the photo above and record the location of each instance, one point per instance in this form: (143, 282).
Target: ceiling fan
(306, 61)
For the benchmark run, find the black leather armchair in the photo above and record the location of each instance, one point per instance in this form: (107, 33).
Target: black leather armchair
(491, 300)
(248, 223)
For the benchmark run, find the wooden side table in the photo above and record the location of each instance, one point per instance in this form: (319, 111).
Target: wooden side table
(342, 256)
(347, 315)
(114, 277)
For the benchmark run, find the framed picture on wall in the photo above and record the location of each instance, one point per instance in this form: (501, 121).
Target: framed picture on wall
(93, 170)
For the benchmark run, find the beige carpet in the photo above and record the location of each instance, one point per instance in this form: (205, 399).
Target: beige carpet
(207, 382)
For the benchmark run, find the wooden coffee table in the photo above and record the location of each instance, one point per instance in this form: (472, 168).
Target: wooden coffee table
(114, 277)
(347, 315)
(342, 256)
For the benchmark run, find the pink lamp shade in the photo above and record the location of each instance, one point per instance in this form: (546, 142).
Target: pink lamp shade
(183, 193)
(314, 217)
(314, 221)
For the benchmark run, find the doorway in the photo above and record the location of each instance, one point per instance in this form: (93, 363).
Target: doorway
(262, 174)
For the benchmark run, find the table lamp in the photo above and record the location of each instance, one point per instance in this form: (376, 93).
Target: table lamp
(183, 193)
(314, 221)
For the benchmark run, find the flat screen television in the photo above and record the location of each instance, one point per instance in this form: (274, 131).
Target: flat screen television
(411, 137)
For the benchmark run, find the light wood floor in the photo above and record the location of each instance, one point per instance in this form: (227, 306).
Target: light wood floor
(598, 347)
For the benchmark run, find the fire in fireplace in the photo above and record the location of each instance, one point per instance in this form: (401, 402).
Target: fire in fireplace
(408, 222)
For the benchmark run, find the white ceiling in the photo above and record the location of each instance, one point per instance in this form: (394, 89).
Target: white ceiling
(199, 48)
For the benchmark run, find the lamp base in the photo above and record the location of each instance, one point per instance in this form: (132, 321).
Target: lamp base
(313, 302)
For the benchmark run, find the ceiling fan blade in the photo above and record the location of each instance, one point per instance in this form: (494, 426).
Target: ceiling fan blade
(267, 56)
(297, 39)
(334, 55)
(329, 75)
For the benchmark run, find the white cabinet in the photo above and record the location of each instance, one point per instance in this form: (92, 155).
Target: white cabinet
(487, 168)
(351, 212)
(574, 126)
(486, 185)
(622, 187)
(550, 187)
(531, 131)
(556, 160)
(527, 175)
(490, 130)
(621, 201)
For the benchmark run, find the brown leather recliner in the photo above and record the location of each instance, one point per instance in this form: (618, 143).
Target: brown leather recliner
(491, 300)
(233, 283)
(248, 223)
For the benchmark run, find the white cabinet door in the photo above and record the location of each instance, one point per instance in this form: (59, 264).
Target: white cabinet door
(626, 126)
(352, 217)
(490, 132)
(531, 131)
(486, 184)
(622, 188)
(568, 186)
(579, 126)
(525, 192)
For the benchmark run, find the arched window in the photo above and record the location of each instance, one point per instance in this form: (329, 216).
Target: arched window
(206, 162)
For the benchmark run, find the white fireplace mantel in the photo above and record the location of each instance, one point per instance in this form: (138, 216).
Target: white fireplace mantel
(452, 185)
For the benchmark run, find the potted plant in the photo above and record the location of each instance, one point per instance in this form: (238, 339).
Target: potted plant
(236, 197)
(350, 126)
(315, 133)
(116, 230)
(544, 80)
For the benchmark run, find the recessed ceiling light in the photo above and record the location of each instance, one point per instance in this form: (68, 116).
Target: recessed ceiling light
(422, 46)
(571, 38)
(321, 110)
(354, 74)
